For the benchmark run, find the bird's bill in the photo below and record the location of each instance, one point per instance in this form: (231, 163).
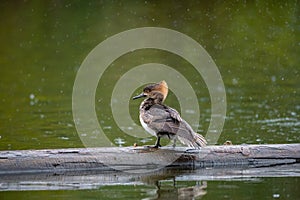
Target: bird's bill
(139, 96)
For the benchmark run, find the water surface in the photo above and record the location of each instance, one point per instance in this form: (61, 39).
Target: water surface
(256, 46)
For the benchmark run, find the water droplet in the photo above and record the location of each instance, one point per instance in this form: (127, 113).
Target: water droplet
(144, 140)
(293, 113)
(258, 140)
(273, 78)
(189, 111)
(234, 81)
(31, 96)
(119, 141)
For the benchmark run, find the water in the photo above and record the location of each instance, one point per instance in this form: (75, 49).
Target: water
(270, 188)
(274, 183)
(254, 44)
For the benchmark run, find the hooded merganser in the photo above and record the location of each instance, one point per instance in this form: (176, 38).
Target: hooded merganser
(163, 121)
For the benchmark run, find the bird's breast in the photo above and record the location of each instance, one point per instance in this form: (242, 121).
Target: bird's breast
(146, 127)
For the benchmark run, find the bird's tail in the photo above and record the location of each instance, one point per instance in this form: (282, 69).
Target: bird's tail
(187, 136)
(196, 141)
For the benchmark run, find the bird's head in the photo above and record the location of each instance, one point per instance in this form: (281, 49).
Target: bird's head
(157, 91)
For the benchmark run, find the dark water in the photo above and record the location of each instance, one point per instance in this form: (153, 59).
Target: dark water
(256, 46)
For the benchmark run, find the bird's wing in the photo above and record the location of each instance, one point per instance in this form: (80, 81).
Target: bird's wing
(162, 119)
(174, 114)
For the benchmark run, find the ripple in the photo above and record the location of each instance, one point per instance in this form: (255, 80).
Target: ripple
(283, 122)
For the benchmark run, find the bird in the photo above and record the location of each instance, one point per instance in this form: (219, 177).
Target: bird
(163, 121)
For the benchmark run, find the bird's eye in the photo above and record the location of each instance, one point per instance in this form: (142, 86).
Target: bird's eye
(146, 90)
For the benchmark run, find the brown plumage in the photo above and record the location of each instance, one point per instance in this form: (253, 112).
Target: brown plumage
(163, 121)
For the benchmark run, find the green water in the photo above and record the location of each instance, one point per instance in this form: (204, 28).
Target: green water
(215, 190)
(256, 46)
(267, 188)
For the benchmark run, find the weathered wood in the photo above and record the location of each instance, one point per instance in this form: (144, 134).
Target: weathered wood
(142, 159)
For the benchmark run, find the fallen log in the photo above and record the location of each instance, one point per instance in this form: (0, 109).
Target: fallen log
(145, 159)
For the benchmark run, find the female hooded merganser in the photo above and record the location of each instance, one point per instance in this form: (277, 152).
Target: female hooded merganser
(163, 121)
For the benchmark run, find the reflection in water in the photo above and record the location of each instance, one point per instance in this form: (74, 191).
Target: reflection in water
(193, 192)
(234, 183)
(164, 191)
(166, 186)
(163, 184)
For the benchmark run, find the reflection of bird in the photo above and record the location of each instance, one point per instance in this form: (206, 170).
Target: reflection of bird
(162, 121)
(167, 190)
(193, 192)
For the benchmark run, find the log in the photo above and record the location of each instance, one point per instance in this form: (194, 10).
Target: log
(145, 159)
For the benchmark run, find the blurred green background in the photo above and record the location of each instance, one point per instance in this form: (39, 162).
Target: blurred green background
(256, 46)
